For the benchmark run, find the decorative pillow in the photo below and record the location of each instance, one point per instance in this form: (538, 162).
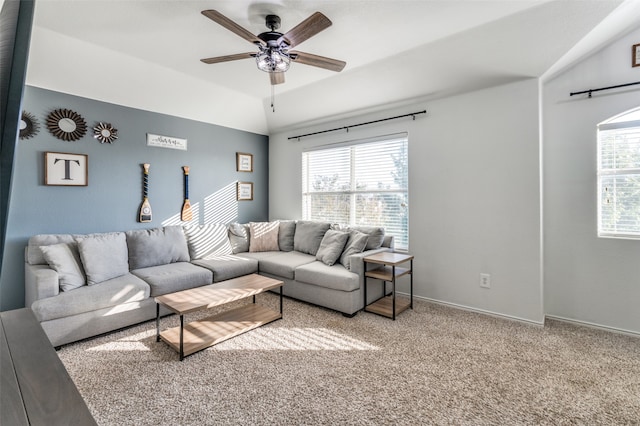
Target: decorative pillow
(308, 236)
(239, 237)
(263, 236)
(157, 246)
(375, 233)
(331, 246)
(104, 256)
(285, 235)
(207, 241)
(355, 244)
(65, 260)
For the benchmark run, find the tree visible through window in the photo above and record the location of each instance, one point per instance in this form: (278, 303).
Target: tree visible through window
(359, 184)
(619, 176)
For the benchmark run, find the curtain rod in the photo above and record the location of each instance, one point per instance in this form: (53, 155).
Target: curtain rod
(603, 88)
(413, 114)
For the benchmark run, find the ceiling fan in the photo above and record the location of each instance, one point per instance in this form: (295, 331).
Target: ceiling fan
(274, 56)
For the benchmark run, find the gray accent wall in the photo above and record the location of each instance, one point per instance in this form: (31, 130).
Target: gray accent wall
(113, 196)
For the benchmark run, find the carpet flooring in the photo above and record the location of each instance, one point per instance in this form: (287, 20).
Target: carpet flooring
(433, 365)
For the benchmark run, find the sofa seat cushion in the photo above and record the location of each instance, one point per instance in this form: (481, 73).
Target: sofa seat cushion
(116, 291)
(284, 264)
(174, 277)
(229, 266)
(259, 255)
(335, 277)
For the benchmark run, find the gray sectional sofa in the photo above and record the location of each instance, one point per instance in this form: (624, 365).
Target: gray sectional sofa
(80, 286)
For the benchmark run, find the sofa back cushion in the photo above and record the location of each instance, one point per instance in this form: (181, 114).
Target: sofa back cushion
(157, 246)
(104, 256)
(308, 236)
(286, 234)
(207, 241)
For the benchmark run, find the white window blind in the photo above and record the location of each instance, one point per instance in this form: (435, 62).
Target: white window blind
(359, 184)
(619, 179)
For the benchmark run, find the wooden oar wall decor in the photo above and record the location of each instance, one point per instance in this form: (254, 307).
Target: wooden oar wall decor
(145, 207)
(186, 214)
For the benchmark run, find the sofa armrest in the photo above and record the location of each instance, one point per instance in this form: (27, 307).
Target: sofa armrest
(40, 282)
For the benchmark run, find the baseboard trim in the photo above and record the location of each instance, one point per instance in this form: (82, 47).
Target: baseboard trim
(478, 311)
(594, 325)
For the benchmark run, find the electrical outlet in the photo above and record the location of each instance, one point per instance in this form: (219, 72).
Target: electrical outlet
(485, 280)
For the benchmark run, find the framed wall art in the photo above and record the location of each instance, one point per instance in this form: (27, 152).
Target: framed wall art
(635, 55)
(245, 191)
(65, 169)
(244, 162)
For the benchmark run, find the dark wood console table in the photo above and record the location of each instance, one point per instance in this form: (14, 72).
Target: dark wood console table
(36, 388)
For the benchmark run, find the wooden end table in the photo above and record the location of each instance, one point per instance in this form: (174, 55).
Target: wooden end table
(197, 335)
(388, 306)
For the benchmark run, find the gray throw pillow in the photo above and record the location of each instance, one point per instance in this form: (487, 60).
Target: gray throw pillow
(157, 246)
(375, 233)
(65, 260)
(207, 241)
(104, 256)
(308, 236)
(285, 236)
(355, 244)
(239, 237)
(331, 246)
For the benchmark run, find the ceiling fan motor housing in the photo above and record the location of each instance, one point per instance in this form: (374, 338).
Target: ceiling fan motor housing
(272, 22)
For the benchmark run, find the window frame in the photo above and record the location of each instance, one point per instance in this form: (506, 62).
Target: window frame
(353, 192)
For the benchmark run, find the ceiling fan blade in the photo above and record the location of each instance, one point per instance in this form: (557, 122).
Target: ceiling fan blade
(227, 58)
(306, 29)
(276, 78)
(219, 18)
(317, 61)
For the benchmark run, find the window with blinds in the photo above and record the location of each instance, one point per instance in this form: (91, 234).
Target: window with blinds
(359, 184)
(619, 177)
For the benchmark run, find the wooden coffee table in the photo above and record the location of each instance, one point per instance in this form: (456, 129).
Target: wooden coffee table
(197, 335)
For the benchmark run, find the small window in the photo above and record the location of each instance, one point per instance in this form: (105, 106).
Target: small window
(619, 176)
(363, 183)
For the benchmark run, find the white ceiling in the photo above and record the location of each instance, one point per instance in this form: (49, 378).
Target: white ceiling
(146, 54)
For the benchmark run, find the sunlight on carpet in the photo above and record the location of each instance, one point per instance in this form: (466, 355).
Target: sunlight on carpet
(296, 339)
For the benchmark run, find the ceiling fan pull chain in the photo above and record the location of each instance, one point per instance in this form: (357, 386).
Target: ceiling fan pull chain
(273, 98)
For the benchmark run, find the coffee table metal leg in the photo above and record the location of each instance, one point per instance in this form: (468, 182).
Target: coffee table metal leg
(411, 282)
(181, 337)
(157, 322)
(280, 300)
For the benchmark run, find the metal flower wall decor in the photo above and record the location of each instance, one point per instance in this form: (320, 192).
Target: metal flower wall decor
(66, 124)
(105, 132)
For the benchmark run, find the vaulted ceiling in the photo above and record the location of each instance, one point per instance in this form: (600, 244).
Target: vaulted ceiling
(146, 54)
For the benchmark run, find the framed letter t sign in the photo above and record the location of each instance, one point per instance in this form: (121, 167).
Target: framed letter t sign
(66, 169)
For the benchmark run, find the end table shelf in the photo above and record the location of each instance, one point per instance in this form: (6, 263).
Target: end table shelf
(389, 306)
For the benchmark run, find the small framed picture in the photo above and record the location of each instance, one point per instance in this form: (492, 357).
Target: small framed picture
(245, 191)
(244, 162)
(64, 169)
(635, 55)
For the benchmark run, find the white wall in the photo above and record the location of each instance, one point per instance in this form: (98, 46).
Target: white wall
(589, 279)
(474, 194)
